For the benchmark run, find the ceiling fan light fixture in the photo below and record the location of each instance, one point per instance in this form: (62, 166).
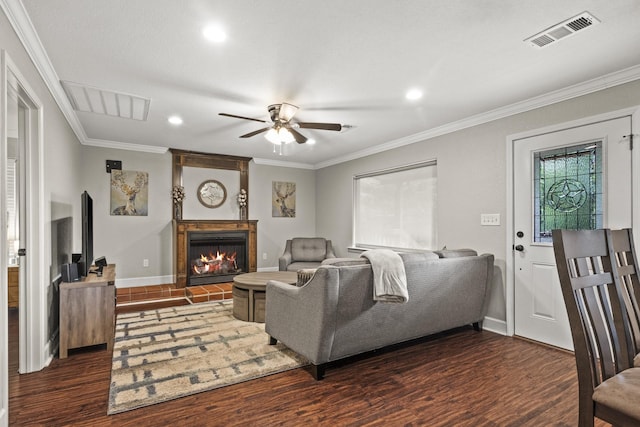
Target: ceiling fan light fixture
(273, 136)
(285, 136)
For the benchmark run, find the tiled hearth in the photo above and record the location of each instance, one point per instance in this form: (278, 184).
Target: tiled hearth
(168, 295)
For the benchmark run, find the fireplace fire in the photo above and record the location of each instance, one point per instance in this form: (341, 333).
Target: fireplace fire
(212, 264)
(215, 257)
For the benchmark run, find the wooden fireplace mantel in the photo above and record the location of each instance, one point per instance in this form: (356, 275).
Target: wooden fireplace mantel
(182, 227)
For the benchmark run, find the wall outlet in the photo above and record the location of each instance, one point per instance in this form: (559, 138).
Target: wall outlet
(145, 262)
(264, 255)
(489, 219)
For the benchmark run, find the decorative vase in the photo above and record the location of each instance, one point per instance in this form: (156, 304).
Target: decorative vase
(243, 213)
(177, 211)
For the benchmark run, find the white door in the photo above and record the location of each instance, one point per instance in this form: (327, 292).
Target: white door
(578, 178)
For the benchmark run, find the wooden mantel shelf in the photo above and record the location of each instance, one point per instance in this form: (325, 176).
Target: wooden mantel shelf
(181, 227)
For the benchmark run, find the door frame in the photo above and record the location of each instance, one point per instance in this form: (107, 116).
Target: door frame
(35, 350)
(634, 112)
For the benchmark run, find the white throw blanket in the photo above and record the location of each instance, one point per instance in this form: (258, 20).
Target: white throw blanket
(389, 277)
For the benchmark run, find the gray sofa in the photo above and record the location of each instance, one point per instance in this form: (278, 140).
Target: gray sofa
(305, 252)
(333, 315)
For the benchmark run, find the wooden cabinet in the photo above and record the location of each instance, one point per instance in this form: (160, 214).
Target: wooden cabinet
(87, 311)
(13, 286)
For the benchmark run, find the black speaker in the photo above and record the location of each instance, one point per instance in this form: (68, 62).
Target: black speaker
(70, 272)
(101, 262)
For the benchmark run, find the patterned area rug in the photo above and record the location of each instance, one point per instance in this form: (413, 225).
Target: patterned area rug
(168, 353)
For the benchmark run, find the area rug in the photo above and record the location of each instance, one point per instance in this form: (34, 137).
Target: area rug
(168, 353)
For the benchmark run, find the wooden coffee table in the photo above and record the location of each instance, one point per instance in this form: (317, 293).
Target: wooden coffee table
(249, 293)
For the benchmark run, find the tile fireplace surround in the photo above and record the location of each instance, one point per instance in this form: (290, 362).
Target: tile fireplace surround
(182, 227)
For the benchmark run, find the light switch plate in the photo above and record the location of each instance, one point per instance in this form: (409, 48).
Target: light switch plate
(489, 219)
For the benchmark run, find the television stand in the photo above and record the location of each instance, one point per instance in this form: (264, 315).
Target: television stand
(87, 311)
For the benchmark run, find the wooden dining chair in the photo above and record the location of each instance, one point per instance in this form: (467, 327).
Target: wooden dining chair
(622, 247)
(608, 387)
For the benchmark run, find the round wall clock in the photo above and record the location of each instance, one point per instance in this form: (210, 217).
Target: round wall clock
(212, 193)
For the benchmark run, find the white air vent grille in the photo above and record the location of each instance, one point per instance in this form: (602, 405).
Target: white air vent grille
(562, 30)
(116, 104)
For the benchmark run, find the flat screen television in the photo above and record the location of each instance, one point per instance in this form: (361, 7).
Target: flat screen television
(87, 235)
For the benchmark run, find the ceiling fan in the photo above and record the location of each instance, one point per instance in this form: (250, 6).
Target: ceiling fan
(282, 129)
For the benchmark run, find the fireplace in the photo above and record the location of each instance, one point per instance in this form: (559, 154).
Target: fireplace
(216, 256)
(213, 251)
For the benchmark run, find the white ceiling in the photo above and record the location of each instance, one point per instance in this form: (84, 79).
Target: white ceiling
(349, 62)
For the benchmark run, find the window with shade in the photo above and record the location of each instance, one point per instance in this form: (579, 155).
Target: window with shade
(396, 208)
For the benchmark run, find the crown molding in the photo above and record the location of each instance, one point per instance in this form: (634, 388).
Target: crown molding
(103, 143)
(599, 83)
(22, 25)
(282, 164)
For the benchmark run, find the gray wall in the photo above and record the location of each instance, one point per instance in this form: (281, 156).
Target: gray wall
(128, 240)
(471, 178)
(62, 162)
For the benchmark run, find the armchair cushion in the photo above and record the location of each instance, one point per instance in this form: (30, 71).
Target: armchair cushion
(308, 249)
(305, 252)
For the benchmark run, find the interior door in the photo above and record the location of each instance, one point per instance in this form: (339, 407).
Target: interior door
(578, 178)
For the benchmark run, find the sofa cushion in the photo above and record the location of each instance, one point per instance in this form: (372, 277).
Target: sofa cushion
(309, 249)
(418, 256)
(340, 262)
(455, 253)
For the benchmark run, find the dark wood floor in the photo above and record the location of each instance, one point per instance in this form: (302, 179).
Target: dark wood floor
(462, 378)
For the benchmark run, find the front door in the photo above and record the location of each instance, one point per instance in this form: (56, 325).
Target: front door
(578, 178)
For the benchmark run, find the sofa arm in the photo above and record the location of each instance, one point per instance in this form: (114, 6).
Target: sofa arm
(286, 258)
(303, 318)
(330, 252)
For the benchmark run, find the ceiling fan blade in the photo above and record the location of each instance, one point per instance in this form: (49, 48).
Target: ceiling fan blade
(323, 126)
(255, 132)
(241, 117)
(300, 138)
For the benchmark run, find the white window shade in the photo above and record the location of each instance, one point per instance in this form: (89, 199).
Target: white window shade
(396, 208)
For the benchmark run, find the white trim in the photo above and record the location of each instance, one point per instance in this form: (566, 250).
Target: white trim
(494, 325)
(510, 231)
(599, 83)
(4, 312)
(123, 146)
(635, 174)
(282, 164)
(135, 282)
(22, 25)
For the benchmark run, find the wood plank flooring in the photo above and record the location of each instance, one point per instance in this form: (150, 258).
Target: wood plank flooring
(461, 378)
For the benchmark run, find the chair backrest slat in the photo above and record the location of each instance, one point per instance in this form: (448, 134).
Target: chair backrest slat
(588, 280)
(622, 246)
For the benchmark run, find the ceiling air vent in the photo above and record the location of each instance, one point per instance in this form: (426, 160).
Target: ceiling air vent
(562, 30)
(116, 104)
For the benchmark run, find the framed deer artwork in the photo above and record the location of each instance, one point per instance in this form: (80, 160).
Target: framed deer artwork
(129, 193)
(283, 199)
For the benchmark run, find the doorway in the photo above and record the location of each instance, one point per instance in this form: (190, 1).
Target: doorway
(22, 140)
(576, 176)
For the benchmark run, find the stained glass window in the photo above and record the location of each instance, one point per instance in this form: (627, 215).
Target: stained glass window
(567, 189)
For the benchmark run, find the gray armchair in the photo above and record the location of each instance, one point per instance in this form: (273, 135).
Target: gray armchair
(305, 252)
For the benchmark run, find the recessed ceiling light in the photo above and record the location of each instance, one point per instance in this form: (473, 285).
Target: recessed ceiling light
(311, 141)
(214, 34)
(413, 94)
(175, 120)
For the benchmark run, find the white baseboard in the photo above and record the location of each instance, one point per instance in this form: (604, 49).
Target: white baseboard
(145, 281)
(494, 325)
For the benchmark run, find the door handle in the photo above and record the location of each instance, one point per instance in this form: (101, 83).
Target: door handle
(22, 252)
(519, 248)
